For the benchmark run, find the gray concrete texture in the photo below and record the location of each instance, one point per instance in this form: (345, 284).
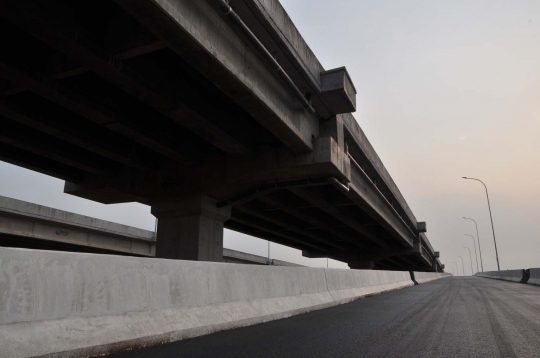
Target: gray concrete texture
(530, 276)
(508, 275)
(424, 277)
(534, 276)
(72, 304)
(21, 220)
(264, 136)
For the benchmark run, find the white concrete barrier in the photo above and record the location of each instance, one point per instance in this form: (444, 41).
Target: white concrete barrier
(508, 275)
(423, 277)
(534, 276)
(347, 285)
(75, 305)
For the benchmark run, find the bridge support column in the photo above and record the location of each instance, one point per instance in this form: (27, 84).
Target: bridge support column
(362, 265)
(190, 229)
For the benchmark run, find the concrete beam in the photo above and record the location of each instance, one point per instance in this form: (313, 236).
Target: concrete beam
(274, 235)
(308, 219)
(74, 44)
(337, 213)
(365, 193)
(362, 265)
(25, 221)
(39, 164)
(317, 237)
(89, 109)
(204, 39)
(53, 152)
(72, 136)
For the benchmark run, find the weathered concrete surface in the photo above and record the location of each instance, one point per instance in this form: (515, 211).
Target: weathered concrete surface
(262, 94)
(508, 275)
(82, 304)
(534, 276)
(423, 277)
(190, 229)
(27, 220)
(347, 285)
(238, 257)
(172, 58)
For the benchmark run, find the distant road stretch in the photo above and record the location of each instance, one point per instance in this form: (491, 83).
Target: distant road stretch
(451, 317)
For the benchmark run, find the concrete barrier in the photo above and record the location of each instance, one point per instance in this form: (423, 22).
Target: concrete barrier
(534, 276)
(508, 275)
(73, 305)
(424, 277)
(347, 285)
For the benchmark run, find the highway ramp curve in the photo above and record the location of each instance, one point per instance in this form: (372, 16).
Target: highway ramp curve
(451, 317)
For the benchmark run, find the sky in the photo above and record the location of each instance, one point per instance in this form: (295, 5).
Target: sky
(446, 89)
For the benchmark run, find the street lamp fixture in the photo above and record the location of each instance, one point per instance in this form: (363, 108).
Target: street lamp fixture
(478, 239)
(462, 264)
(475, 253)
(491, 217)
(470, 258)
(457, 269)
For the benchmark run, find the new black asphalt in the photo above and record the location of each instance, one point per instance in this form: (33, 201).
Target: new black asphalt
(451, 317)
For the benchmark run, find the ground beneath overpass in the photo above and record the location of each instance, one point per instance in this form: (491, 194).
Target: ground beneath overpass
(451, 317)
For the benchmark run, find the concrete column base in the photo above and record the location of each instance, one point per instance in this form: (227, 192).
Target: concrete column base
(361, 265)
(190, 229)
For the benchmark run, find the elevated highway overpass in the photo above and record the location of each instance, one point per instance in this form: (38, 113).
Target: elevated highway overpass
(215, 116)
(32, 226)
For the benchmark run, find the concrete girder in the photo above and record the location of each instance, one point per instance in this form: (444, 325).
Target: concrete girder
(262, 232)
(89, 109)
(74, 44)
(374, 204)
(224, 178)
(61, 155)
(223, 57)
(359, 145)
(290, 227)
(72, 136)
(306, 218)
(336, 213)
(66, 67)
(39, 164)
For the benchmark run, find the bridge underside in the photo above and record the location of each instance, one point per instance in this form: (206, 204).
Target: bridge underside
(125, 103)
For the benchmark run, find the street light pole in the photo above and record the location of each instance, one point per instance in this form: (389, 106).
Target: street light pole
(462, 264)
(470, 258)
(477, 238)
(457, 268)
(491, 217)
(475, 253)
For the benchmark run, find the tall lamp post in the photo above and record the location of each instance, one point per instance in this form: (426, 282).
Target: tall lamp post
(470, 258)
(457, 269)
(491, 217)
(462, 264)
(475, 253)
(477, 238)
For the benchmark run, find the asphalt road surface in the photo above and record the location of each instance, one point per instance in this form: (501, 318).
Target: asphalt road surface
(451, 317)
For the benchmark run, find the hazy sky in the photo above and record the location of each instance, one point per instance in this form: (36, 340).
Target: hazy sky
(445, 89)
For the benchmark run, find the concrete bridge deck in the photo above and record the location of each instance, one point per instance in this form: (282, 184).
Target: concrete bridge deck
(33, 226)
(451, 317)
(178, 105)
